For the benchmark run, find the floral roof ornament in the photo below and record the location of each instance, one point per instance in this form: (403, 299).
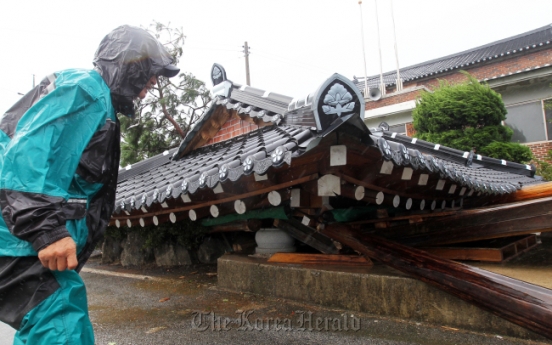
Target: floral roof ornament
(335, 98)
(338, 101)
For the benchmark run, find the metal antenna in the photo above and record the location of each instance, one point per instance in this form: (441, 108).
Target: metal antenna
(363, 50)
(382, 85)
(399, 80)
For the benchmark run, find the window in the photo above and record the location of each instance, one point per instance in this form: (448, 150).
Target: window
(400, 129)
(547, 104)
(527, 121)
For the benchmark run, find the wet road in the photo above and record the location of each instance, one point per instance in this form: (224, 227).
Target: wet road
(185, 307)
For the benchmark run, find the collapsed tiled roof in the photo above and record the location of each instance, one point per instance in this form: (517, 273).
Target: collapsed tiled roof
(261, 150)
(394, 164)
(254, 152)
(511, 46)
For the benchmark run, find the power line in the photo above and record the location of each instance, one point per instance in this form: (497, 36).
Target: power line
(293, 62)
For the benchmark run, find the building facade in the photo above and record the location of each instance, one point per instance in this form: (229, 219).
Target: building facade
(519, 68)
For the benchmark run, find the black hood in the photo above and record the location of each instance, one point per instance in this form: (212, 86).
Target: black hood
(126, 59)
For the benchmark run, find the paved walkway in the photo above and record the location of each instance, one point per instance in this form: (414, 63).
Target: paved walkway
(184, 306)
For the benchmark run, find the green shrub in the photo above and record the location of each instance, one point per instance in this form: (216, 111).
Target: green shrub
(544, 167)
(467, 116)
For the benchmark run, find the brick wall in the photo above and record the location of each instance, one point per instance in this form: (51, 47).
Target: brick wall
(492, 69)
(232, 128)
(501, 68)
(540, 149)
(391, 99)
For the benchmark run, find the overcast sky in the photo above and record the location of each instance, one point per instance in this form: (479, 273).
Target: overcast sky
(295, 44)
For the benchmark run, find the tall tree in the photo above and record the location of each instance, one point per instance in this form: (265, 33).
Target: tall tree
(467, 116)
(169, 110)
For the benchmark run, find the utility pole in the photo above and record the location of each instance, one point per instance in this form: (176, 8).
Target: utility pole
(246, 52)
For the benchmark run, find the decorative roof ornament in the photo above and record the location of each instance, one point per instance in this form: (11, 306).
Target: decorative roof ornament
(184, 186)
(202, 180)
(221, 85)
(223, 172)
(338, 101)
(278, 155)
(335, 98)
(248, 165)
(218, 74)
(405, 155)
(385, 149)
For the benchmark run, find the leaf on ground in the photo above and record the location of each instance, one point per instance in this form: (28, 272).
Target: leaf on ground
(194, 272)
(164, 299)
(211, 274)
(155, 329)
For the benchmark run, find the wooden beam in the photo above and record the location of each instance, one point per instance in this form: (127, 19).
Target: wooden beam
(541, 190)
(321, 259)
(239, 225)
(229, 199)
(414, 215)
(510, 248)
(307, 235)
(524, 304)
(520, 218)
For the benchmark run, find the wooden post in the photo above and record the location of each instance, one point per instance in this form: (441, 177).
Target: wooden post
(524, 304)
(214, 211)
(362, 194)
(198, 213)
(307, 235)
(390, 199)
(275, 198)
(156, 220)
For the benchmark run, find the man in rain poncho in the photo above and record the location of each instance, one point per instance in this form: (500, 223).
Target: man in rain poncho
(59, 158)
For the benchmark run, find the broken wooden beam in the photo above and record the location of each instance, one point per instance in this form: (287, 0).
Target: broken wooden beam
(498, 250)
(248, 225)
(524, 304)
(520, 218)
(321, 259)
(307, 235)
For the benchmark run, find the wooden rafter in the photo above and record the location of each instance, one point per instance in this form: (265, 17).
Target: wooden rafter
(524, 304)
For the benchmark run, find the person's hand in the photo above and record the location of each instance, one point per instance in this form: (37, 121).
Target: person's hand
(60, 255)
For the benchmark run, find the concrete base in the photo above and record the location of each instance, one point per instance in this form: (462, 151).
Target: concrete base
(377, 291)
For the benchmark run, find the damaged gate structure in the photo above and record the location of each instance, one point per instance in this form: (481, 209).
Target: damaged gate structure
(312, 168)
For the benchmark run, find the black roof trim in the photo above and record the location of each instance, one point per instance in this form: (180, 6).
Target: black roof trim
(507, 47)
(460, 157)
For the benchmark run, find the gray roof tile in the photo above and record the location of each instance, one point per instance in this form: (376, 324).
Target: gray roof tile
(508, 47)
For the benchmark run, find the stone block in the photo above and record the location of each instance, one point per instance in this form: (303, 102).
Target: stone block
(172, 255)
(111, 250)
(134, 253)
(211, 249)
(379, 291)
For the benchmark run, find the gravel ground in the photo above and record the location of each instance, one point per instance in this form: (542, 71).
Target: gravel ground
(183, 306)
